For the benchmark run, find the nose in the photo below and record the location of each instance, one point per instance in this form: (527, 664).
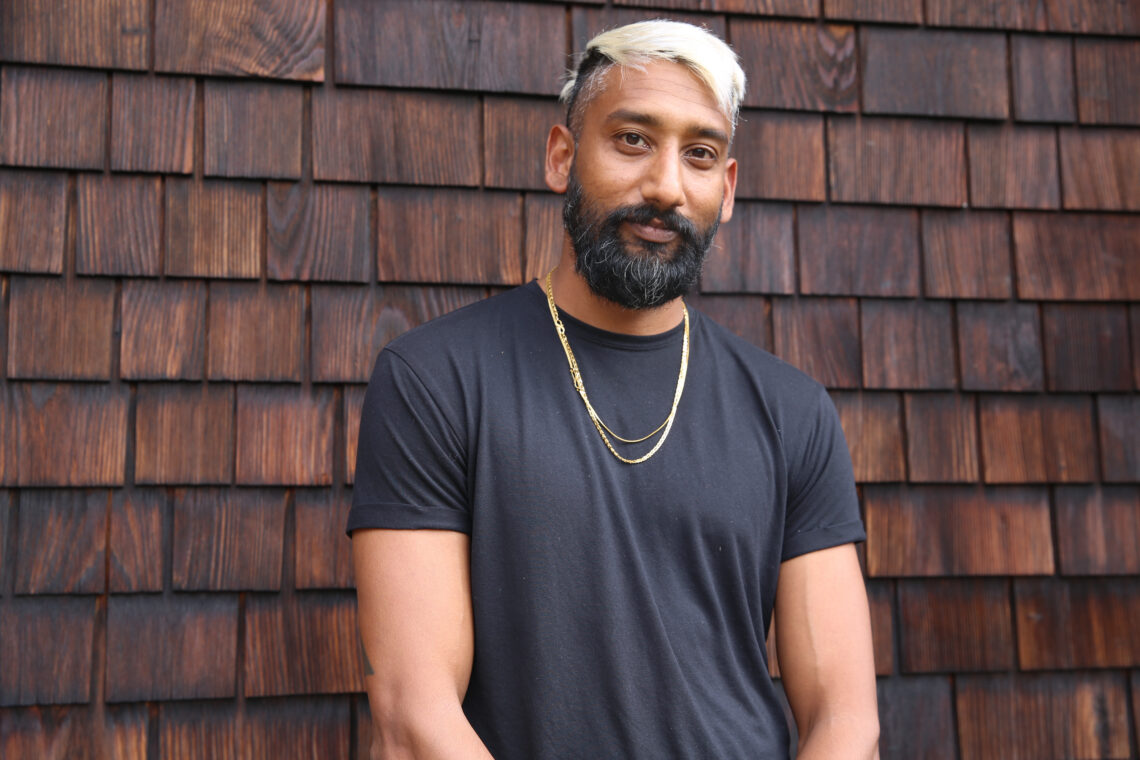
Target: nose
(663, 185)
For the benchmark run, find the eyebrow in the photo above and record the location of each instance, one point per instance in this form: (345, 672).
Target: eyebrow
(649, 120)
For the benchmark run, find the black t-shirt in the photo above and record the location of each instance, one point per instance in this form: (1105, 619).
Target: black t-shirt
(620, 610)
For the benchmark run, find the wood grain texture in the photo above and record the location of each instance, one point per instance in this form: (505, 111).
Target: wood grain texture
(163, 330)
(1098, 529)
(941, 432)
(284, 435)
(45, 645)
(351, 325)
(1093, 16)
(872, 424)
(934, 73)
(74, 732)
(1054, 715)
(896, 11)
(1077, 256)
(1119, 418)
(184, 433)
(1077, 623)
(118, 225)
(213, 228)
(171, 647)
(1134, 318)
(955, 624)
(782, 154)
(754, 252)
(7, 508)
(896, 161)
(253, 129)
(1042, 70)
(305, 644)
(1028, 439)
(61, 542)
(514, 140)
(256, 331)
(318, 232)
(105, 34)
(544, 233)
(135, 540)
(53, 117)
(748, 316)
(1013, 167)
(966, 254)
(957, 530)
(276, 728)
(1099, 168)
(999, 345)
(353, 406)
(152, 124)
(798, 66)
(879, 596)
(279, 39)
(60, 329)
(32, 247)
(997, 14)
(323, 553)
(866, 251)
(769, 7)
(368, 135)
(907, 344)
(478, 45)
(227, 540)
(1086, 347)
(460, 237)
(198, 729)
(916, 718)
(820, 336)
(586, 23)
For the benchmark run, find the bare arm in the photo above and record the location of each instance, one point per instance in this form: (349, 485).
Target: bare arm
(414, 610)
(823, 635)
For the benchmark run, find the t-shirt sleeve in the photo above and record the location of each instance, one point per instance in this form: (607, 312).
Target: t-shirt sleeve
(410, 462)
(823, 507)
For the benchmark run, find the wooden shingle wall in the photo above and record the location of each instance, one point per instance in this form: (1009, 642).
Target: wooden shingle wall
(213, 215)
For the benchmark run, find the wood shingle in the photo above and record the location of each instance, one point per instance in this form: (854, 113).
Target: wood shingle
(514, 140)
(1108, 78)
(256, 331)
(284, 435)
(163, 330)
(1077, 256)
(45, 644)
(1119, 421)
(894, 11)
(275, 728)
(820, 336)
(1086, 347)
(227, 540)
(53, 117)
(61, 542)
(1032, 439)
(916, 718)
(1098, 529)
(318, 231)
(323, 553)
(754, 253)
(782, 156)
(118, 225)
(1077, 623)
(152, 123)
(858, 250)
(104, 34)
(1042, 69)
(213, 228)
(253, 129)
(999, 345)
(955, 624)
(941, 436)
(75, 732)
(184, 433)
(1013, 167)
(872, 424)
(1099, 168)
(74, 316)
(32, 195)
(135, 541)
(907, 344)
(801, 66)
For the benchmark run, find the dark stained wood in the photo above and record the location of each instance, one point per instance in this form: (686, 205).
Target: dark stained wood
(898, 11)
(916, 719)
(351, 325)
(278, 728)
(941, 436)
(1027, 439)
(514, 140)
(70, 318)
(362, 720)
(353, 405)
(184, 433)
(907, 344)
(118, 225)
(769, 7)
(256, 331)
(32, 247)
(108, 34)
(305, 644)
(152, 123)
(781, 156)
(61, 542)
(747, 316)
(1042, 78)
(1098, 529)
(1077, 256)
(136, 540)
(879, 596)
(198, 729)
(213, 228)
(284, 435)
(1000, 346)
(281, 39)
(934, 73)
(460, 236)
(7, 508)
(1054, 715)
(74, 732)
(171, 647)
(799, 66)
(227, 540)
(754, 252)
(1099, 168)
(1013, 167)
(851, 250)
(253, 129)
(681, 4)
(1119, 418)
(1092, 16)
(544, 233)
(820, 336)
(163, 330)
(45, 645)
(318, 232)
(53, 117)
(965, 254)
(367, 135)
(1134, 317)
(954, 624)
(1086, 347)
(1077, 623)
(323, 553)
(896, 161)
(500, 47)
(997, 14)
(872, 424)
(586, 23)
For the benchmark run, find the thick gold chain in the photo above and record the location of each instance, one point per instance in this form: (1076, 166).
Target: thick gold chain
(576, 377)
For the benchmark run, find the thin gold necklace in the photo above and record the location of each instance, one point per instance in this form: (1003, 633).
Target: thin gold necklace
(579, 386)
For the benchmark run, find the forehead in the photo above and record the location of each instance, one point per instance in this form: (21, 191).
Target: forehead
(660, 88)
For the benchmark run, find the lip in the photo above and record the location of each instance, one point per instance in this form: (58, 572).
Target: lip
(652, 234)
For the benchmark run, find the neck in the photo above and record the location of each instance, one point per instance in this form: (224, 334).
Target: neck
(573, 296)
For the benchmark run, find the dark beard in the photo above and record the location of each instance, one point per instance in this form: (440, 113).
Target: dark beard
(639, 275)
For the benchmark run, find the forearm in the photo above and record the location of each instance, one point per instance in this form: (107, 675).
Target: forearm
(850, 738)
(426, 732)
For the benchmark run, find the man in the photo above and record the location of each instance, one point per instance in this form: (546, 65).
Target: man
(541, 577)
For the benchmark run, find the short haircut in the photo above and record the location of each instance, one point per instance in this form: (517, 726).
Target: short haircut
(703, 53)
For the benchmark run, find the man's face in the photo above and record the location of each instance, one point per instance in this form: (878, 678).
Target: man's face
(650, 182)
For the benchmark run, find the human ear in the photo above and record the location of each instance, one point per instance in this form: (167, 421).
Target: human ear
(729, 199)
(559, 157)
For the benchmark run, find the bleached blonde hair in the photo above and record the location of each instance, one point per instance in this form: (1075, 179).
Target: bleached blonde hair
(634, 45)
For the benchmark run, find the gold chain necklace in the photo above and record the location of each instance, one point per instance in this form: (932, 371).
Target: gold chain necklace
(579, 386)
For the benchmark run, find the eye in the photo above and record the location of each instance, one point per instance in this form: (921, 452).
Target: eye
(632, 139)
(702, 155)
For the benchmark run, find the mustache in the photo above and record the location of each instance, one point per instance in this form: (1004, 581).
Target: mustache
(643, 213)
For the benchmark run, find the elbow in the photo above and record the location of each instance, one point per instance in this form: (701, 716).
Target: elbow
(396, 729)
